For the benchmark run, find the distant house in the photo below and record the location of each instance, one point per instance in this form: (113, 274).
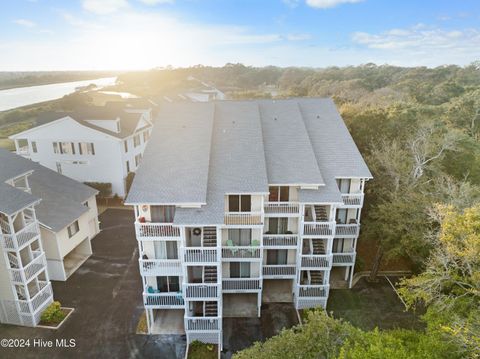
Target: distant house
(94, 145)
(46, 224)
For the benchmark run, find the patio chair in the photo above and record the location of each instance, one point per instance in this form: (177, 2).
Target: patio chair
(231, 246)
(255, 243)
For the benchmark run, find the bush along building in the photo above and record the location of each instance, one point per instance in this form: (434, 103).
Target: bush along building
(236, 201)
(46, 224)
(98, 145)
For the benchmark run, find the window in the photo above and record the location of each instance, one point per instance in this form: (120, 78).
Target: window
(338, 245)
(168, 284)
(278, 225)
(59, 167)
(86, 148)
(240, 237)
(125, 145)
(277, 256)
(67, 148)
(342, 215)
(86, 204)
(278, 194)
(55, 148)
(128, 166)
(137, 159)
(344, 184)
(73, 229)
(239, 270)
(136, 141)
(145, 136)
(34, 147)
(162, 214)
(239, 203)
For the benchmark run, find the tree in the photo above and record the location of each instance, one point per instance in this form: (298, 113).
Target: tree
(450, 284)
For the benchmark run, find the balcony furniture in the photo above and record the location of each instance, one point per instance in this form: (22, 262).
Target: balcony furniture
(232, 246)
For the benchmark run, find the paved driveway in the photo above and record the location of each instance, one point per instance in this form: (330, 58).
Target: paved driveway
(106, 295)
(240, 333)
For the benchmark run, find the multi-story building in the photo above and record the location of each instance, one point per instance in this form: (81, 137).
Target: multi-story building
(237, 200)
(46, 223)
(94, 144)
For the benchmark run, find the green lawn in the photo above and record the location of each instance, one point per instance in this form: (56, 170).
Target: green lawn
(370, 305)
(7, 144)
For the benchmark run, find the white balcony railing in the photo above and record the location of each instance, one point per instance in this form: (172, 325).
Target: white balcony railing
(243, 218)
(318, 291)
(200, 254)
(236, 253)
(37, 300)
(160, 267)
(279, 270)
(23, 151)
(344, 258)
(22, 237)
(352, 199)
(201, 290)
(316, 261)
(322, 229)
(280, 240)
(27, 272)
(241, 284)
(203, 324)
(168, 300)
(347, 230)
(282, 208)
(152, 230)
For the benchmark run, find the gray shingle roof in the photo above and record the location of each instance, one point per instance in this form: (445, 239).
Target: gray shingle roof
(295, 141)
(61, 197)
(13, 199)
(177, 157)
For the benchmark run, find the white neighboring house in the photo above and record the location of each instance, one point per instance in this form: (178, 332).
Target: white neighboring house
(261, 202)
(93, 145)
(67, 215)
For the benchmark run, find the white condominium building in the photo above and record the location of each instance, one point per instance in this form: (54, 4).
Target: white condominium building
(239, 199)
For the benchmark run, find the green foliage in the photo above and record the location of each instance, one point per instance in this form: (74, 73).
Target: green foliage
(199, 350)
(450, 284)
(53, 314)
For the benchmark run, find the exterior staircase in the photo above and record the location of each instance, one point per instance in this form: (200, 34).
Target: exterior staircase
(321, 213)
(318, 246)
(316, 277)
(210, 274)
(211, 309)
(210, 236)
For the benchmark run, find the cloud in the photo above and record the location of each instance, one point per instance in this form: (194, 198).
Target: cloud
(291, 3)
(24, 22)
(298, 37)
(104, 6)
(156, 2)
(325, 4)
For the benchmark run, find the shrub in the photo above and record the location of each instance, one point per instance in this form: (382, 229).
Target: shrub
(53, 314)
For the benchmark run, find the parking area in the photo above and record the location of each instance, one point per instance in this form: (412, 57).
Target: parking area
(240, 333)
(106, 294)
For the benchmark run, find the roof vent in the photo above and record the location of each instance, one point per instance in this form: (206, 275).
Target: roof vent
(274, 118)
(318, 116)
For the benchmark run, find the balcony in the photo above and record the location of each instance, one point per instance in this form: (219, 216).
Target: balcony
(203, 324)
(160, 267)
(346, 258)
(200, 255)
(38, 300)
(150, 231)
(315, 261)
(169, 300)
(279, 241)
(315, 291)
(23, 151)
(281, 209)
(236, 219)
(201, 291)
(241, 285)
(241, 253)
(347, 230)
(279, 271)
(318, 229)
(21, 238)
(352, 200)
(26, 273)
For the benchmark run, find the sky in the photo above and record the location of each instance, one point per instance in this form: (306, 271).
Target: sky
(144, 34)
